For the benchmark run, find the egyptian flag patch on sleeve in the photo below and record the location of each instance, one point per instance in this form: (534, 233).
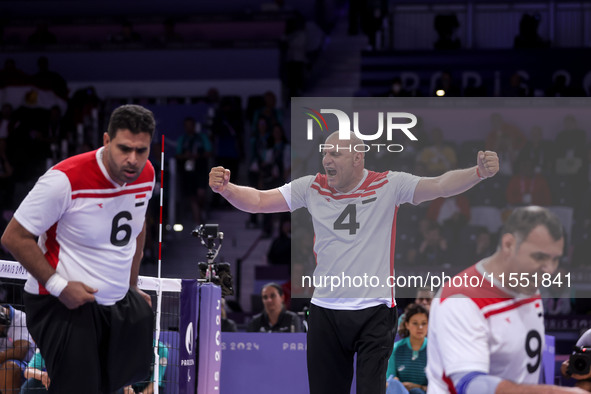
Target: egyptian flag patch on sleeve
(140, 199)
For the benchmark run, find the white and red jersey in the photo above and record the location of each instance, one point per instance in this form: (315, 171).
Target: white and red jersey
(355, 234)
(484, 329)
(87, 223)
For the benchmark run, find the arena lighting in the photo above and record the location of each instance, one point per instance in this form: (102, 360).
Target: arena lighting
(440, 93)
(177, 227)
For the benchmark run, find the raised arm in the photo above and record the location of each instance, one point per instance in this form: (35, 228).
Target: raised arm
(245, 198)
(457, 181)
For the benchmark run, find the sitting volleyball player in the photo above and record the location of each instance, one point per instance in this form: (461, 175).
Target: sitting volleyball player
(489, 339)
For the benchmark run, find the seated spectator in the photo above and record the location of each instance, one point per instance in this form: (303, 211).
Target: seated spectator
(192, 153)
(147, 386)
(406, 367)
(517, 87)
(280, 250)
(570, 147)
(433, 250)
(37, 377)
(15, 348)
(528, 36)
(527, 187)
(438, 157)
(228, 325)
(446, 86)
(483, 247)
(452, 214)
(423, 298)
(538, 151)
(505, 139)
(274, 318)
(50, 80)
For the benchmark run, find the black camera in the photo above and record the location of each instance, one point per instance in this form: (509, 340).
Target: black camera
(580, 361)
(218, 273)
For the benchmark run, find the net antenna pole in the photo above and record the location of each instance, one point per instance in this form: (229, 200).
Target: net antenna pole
(157, 378)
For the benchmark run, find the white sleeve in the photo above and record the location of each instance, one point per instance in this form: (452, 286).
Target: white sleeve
(45, 203)
(295, 192)
(405, 185)
(462, 336)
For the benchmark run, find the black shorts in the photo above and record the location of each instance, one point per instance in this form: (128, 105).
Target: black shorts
(94, 348)
(335, 336)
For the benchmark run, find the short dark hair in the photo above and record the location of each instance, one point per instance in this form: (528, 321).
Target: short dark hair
(523, 220)
(410, 311)
(134, 118)
(275, 285)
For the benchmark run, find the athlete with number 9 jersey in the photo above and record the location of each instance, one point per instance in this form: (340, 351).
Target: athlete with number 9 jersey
(354, 217)
(486, 338)
(84, 311)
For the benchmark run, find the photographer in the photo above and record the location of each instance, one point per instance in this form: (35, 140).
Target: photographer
(583, 379)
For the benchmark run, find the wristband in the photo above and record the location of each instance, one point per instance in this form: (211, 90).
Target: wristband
(479, 176)
(56, 284)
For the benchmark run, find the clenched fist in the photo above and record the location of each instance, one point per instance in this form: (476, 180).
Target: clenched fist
(488, 163)
(218, 179)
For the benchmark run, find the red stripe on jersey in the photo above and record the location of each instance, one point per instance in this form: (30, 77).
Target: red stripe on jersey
(512, 306)
(141, 195)
(392, 248)
(52, 253)
(114, 194)
(449, 383)
(84, 173)
(366, 189)
(314, 251)
(487, 291)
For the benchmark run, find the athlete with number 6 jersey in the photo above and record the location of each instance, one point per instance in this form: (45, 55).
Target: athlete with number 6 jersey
(486, 337)
(354, 217)
(84, 310)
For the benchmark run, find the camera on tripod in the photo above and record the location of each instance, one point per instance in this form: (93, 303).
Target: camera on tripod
(210, 271)
(579, 361)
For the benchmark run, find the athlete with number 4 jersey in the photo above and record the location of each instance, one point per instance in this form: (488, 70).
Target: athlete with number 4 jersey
(486, 337)
(84, 310)
(354, 216)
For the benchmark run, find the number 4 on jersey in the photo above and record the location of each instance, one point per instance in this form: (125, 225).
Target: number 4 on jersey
(347, 220)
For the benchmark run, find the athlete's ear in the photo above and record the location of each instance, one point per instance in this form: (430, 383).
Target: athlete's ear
(106, 139)
(508, 242)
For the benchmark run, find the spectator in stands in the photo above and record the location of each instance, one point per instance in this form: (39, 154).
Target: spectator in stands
(528, 187)
(42, 36)
(280, 250)
(570, 147)
(528, 36)
(446, 86)
(228, 325)
(406, 366)
(274, 318)
(15, 348)
(438, 157)
(127, 35)
(6, 178)
(423, 298)
(50, 80)
(446, 25)
(517, 87)
(169, 34)
(192, 153)
(505, 139)
(269, 112)
(538, 151)
(433, 250)
(583, 381)
(7, 120)
(296, 59)
(37, 377)
(10, 75)
(483, 247)
(452, 214)
(396, 89)
(147, 385)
